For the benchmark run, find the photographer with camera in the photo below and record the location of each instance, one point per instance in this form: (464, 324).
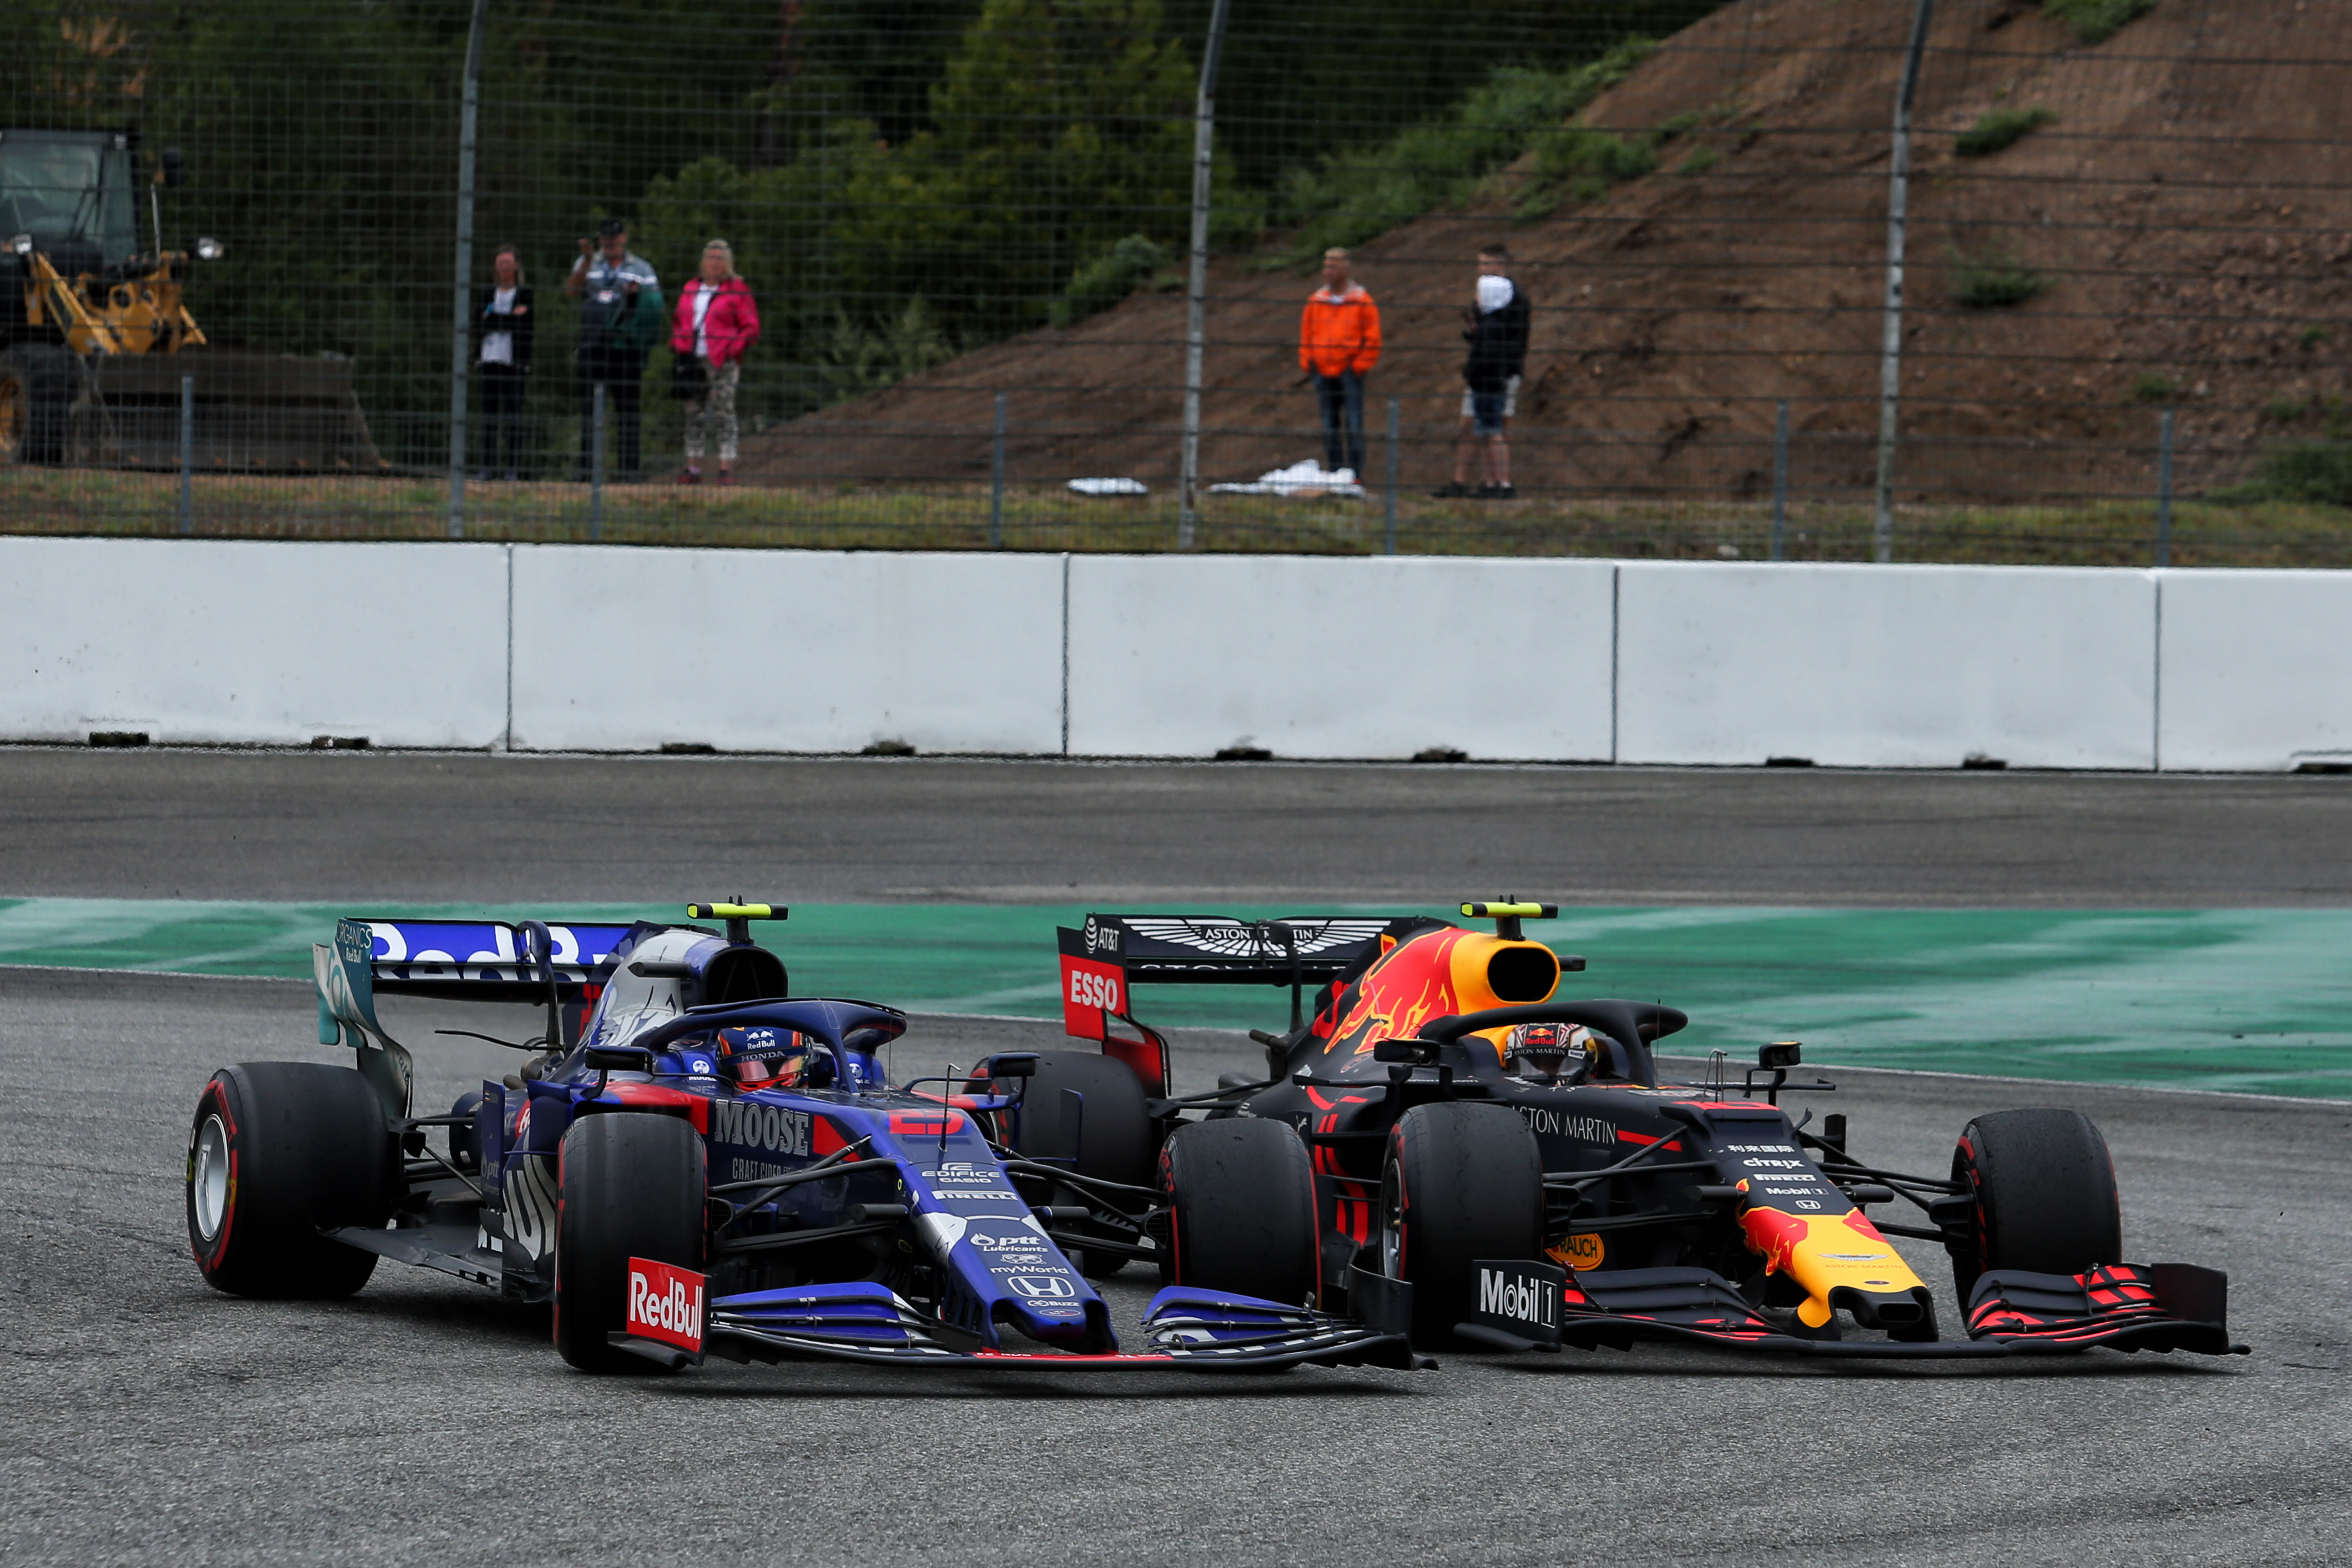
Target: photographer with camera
(621, 317)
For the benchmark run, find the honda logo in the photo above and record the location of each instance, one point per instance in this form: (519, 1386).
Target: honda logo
(1042, 1287)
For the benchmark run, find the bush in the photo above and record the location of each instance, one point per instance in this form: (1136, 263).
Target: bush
(1994, 278)
(2002, 127)
(2095, 21)
(1109, 278)
(2154, 388)
(1350, 198)
(866, 358)
(2313, 471)
(1699, 161)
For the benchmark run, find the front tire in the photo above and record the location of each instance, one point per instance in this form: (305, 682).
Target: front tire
(1107, 1132)
(2042, 1187)
(279, 1151)
(629, 1184)
(1460, 1183)
(1241, 1211)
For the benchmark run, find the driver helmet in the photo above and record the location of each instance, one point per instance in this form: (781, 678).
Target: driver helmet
(1565, 1050)
(759, 1057)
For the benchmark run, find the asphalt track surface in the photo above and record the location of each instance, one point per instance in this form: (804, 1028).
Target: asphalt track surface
(421, 1421)
(507, 829)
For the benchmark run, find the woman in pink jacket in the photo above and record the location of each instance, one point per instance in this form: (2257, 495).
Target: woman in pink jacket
(715, 323)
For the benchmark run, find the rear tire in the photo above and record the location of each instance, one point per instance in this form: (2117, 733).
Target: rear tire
(2043, 1187)
(1460, 1183)
(279, 1151)
(37, 394)
(1241, 1211)
(1108, 1131)
(630, 1185)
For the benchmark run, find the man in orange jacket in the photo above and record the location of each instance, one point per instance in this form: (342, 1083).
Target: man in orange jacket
(1338, 344)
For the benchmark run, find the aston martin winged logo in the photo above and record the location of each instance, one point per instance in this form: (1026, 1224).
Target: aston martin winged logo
(1256, 939)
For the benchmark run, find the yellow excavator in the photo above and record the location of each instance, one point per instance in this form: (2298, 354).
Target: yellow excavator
(96, 338)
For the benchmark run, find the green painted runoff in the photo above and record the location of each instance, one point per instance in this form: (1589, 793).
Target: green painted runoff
(2245, 1000)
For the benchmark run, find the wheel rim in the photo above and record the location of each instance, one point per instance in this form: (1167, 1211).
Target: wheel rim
(209, 1182)
(1392, 1221)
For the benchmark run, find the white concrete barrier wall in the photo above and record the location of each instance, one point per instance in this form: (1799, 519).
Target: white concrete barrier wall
(253, 642)
(1906, 666)
(1307, 658)
(204, 641)
(2256, 670)
(622, 649)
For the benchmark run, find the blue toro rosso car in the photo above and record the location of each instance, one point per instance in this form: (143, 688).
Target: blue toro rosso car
(691, 1160)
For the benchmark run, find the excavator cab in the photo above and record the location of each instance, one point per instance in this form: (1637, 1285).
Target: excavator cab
(96, 339)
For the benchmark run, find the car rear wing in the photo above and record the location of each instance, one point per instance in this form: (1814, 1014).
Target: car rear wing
(1102, 959)
(555, 966)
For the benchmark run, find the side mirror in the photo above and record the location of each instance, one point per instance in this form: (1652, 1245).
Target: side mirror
(620, 1058)
(1780, 1054)
(1013, 1063)
(1416, 1053)
(175, 169)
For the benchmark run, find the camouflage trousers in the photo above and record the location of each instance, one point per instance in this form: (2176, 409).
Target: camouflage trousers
(713, 416)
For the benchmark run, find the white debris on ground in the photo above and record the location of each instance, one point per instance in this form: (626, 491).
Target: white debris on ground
(1110, 486)
(1307, 478)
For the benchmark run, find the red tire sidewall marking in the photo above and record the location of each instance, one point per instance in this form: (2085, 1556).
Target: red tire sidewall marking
(1168, 1185)
(213, 1102)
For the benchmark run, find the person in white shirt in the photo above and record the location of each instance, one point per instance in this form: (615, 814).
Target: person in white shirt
(504, 328)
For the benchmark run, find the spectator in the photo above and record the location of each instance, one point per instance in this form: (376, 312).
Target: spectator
(504, 328)
(1497, 336)
(716, 323)
(620, 318)
(1338, 344)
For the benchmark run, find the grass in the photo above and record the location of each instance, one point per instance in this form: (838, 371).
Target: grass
(2095, 21)
(1994, 278)
(1354, 196)
(2309, 471)
(2302, 529)
(2000, 129)
(2153, 388)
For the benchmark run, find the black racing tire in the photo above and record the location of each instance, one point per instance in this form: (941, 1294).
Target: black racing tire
(278, 1151)
(1459, 1182)
(1108, 1129)
(1241, 1211)
(629, 1184)
(2042, 1187)
(37, 394)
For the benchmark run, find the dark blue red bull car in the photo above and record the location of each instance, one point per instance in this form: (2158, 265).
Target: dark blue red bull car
(690, 1162)
(1448, 1146)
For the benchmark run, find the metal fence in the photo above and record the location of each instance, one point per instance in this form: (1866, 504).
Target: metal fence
(2121, 336)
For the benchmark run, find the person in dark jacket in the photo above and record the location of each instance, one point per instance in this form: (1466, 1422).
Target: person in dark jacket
(621, 317)
(1497, 335)
(504, 328)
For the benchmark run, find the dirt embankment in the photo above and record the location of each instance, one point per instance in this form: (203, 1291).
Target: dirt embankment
(2188, 212)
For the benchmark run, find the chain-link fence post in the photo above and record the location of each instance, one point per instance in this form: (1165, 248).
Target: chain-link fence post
(1890, 353)
(596, 464)
(1781, 482)
(187, 453)
(460, 339)
(1396, 422)
(2164, 490)
(996, 482)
